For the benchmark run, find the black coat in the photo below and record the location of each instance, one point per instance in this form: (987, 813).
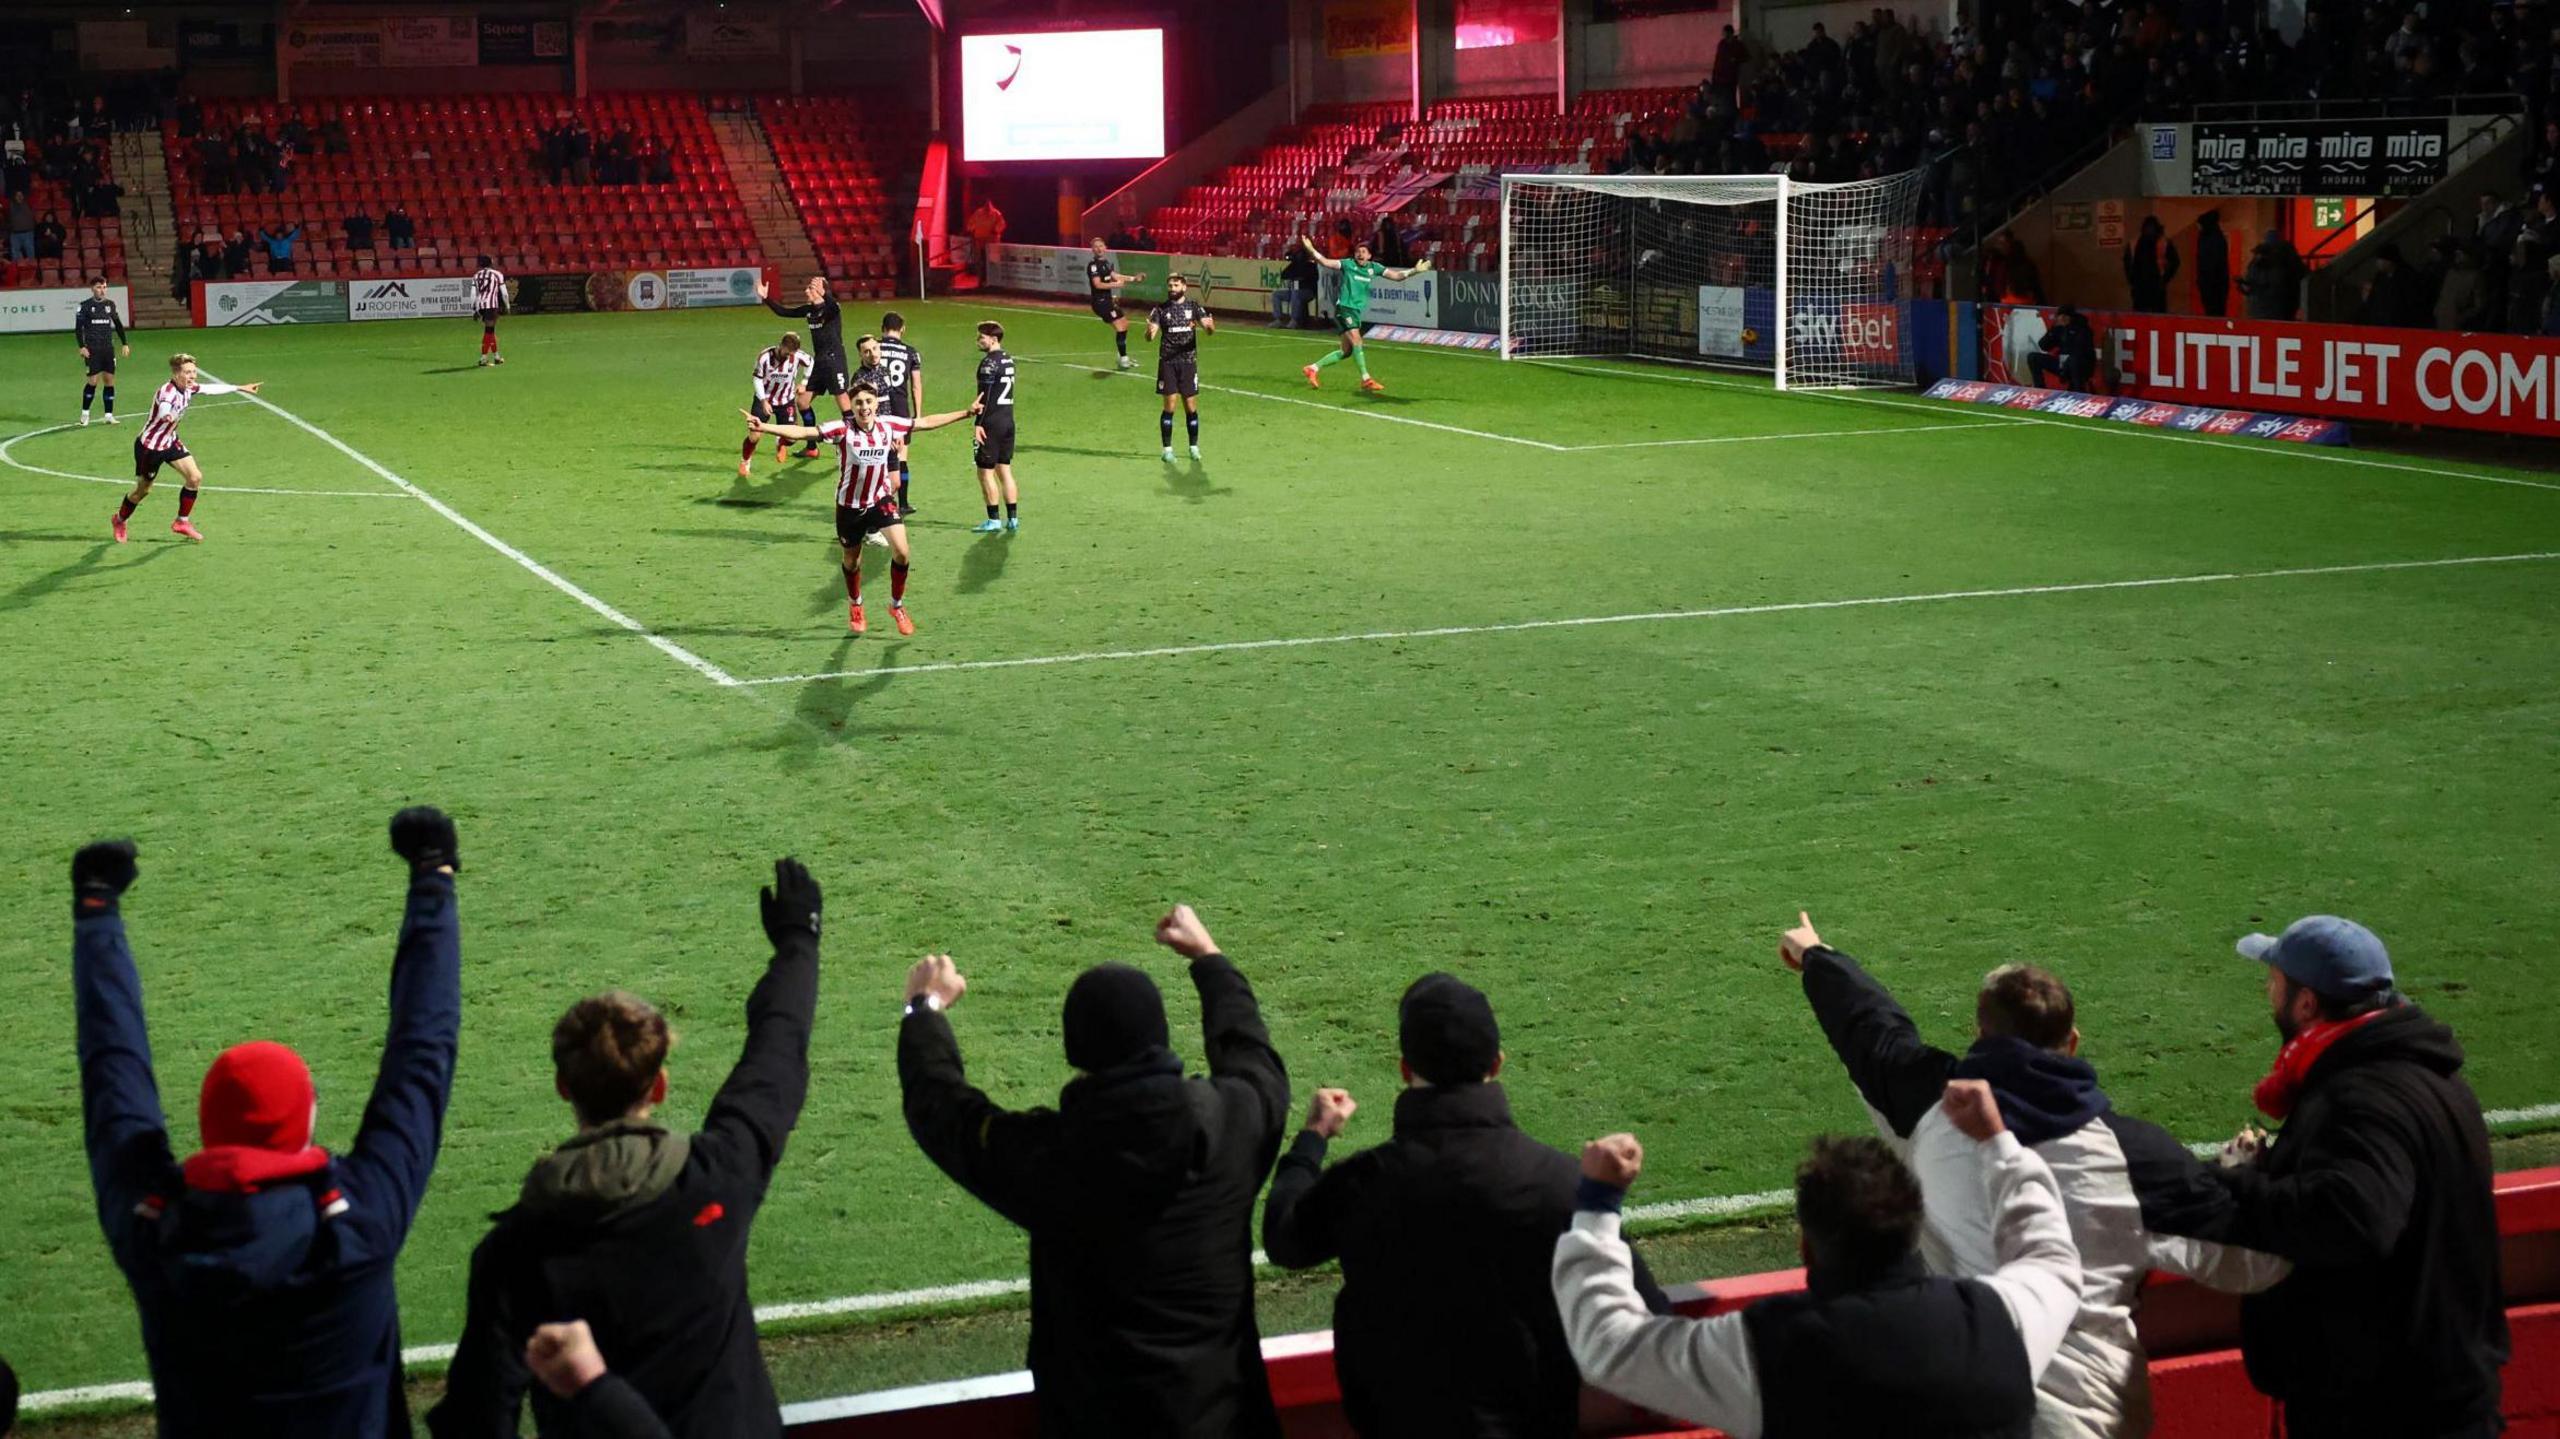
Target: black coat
(2378, 1189)
(643, 1234)
(1908, 1355)
(1137, 1191)
(1446, 1324)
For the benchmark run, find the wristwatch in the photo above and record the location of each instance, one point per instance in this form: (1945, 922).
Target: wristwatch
(924, 1003)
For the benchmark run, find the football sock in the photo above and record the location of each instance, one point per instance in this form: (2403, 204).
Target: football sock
(808, 417)
(902, 486)
(897, 585)
(1009, 508)
(186, 502)
(991, 512)
(1331, 357)
(1191, 421)
(125, 510)
(1121, 338)
(747, 451)
(853, 583)
(1361, 353)
(109, 394)
(87, 393)
(1164, 428)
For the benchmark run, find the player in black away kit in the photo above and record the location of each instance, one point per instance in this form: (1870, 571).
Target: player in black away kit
(100, 333)
(826, 340)
(905, 395)
(995, 430)
(1103, 281)
(1176, 326)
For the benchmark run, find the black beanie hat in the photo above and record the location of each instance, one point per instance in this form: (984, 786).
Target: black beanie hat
(1447, 1029)
(1114, 1013)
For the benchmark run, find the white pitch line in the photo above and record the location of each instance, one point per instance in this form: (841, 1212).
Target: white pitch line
(535, 567)
(1987, 424)
(1719, 1205)
(1320, 405)
(1647, 616)
(6, 446)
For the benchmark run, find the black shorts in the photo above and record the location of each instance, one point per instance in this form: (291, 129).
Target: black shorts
(1105, 307)
(854, 526)
(762, 411)
(1178, 375)
(99, 361)
(486, 317)
(831, 377)
(147, 461)
(996, 449)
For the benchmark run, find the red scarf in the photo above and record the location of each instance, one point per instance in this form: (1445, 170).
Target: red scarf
(2283, 1084)
(245, 1169)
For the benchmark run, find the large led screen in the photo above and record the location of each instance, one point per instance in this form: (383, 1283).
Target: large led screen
(1094, 95)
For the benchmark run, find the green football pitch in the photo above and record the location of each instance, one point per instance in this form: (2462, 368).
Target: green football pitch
(1576, 679)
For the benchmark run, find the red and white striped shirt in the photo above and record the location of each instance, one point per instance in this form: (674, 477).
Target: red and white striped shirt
(779, 377)
(866, 459)
(488, 289)
(160, 432)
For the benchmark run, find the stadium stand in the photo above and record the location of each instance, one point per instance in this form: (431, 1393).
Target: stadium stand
(469, 169)
(851, 169)
(56, 174)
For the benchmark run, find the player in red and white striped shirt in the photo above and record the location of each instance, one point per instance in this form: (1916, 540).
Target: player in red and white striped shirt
(869, 448)
(782, 381)
(158, 444)
(489, 300)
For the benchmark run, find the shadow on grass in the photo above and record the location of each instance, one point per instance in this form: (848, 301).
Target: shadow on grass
(86, 566)
(742, 536)
(1192, 483)
(781, 487)
(982, 564)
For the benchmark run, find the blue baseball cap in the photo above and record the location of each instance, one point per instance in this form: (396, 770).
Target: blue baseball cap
(2333, 957)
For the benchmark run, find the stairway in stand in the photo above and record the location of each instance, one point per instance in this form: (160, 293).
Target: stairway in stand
(770, 208)
(150, 232)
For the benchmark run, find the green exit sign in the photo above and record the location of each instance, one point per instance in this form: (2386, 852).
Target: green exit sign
(2328, 214)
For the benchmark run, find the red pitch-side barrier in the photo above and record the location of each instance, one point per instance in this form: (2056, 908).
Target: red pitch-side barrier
(2198, 1388)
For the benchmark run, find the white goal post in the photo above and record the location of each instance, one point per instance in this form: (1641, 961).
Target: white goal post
(1698, 268)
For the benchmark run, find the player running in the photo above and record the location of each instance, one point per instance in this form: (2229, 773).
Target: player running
(488, 302)
(994, 430)
(1176, 326)
(1349, 307)
(781, 378)
(868, 445)
(1103, 281)
(826, 337)
(158, 444)
(100, 332)
(905, 395)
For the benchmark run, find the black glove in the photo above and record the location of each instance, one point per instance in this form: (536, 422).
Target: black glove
(423, 835)
(791, 903)
(99, 874)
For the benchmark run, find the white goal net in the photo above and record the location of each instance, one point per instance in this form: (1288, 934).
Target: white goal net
(1698, 268)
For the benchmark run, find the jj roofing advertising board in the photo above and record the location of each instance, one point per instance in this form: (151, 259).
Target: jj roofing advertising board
(2320, 157)
(428, 299)
(270, 302)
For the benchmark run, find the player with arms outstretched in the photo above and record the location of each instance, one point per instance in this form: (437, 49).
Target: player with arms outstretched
(100, 332)
(826, 337)
(905, 395)
(781, 378)
(1176, 326)
(868, 445)
(1351, 307)
(994, 431)
(1103, 280)
(488, 302)
(158, 445)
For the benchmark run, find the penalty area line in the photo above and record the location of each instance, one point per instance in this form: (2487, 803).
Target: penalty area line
(532, 566)
(1651, 616)
(944, 1295)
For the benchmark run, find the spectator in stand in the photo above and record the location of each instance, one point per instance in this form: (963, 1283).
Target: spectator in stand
(985, 227)
(1296, 290)
(659, 162)
(2551, 300)
(2529, 280)
(2462, 296)
(280, 248)
(22, 228)
(1137, 1192)
(2495, 231)
(2116, 1174)
(2013, 273)
(190, 117)
(637, 1229)
(1874, 1345)
(599, 1404)
(1389, 248)
(235, 255)
(50, 236)
(1338, 245)
(555, 151)
(262, 1264)
(2066, 357)
(1724, 74)
(333, 137)
(2389, 292)
(1445, 1234)
(2272, 284)
(1121, 237)
(17, 177)
(578, 147)
(2150, 265)
(2213, 266)
(2378, 1190)
(359, 228)
(402, 230)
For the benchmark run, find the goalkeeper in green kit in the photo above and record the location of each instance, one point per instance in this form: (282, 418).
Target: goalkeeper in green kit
(1349, 308)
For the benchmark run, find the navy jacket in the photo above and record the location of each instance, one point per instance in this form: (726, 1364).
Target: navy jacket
(271, 1312)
